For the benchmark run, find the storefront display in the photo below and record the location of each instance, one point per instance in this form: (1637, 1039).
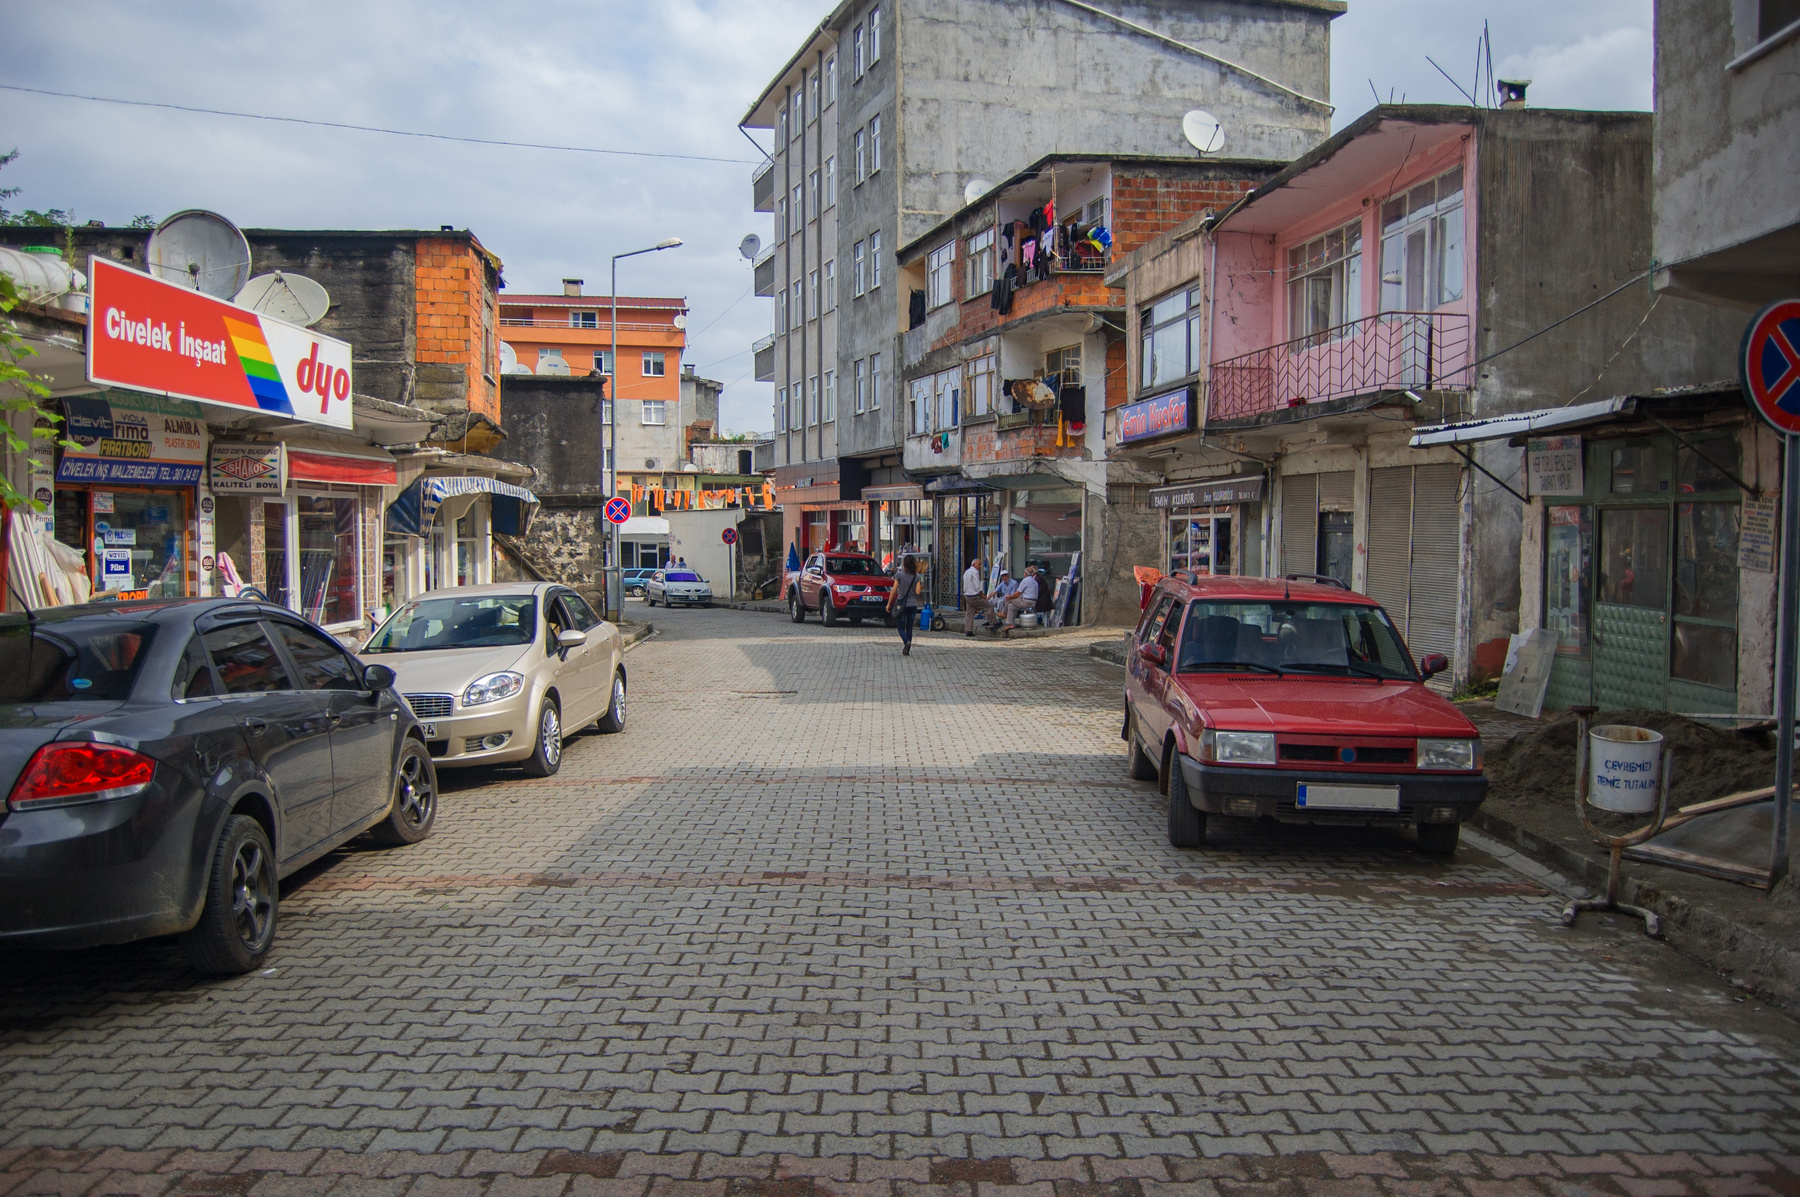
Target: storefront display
(1213, 526)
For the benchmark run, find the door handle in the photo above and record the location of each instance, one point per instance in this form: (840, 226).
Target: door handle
(256, 727)
(335, 718)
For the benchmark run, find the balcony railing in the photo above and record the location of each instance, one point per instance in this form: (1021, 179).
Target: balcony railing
(565, 324)
(762, 187)
(1391, 352)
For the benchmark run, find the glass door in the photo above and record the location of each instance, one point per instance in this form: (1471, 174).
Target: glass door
(279, 565)
(1631, 609)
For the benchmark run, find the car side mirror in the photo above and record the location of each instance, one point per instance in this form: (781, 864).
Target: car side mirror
(571, 638)
(1153, 654)
(378, 677)
(1432, 664)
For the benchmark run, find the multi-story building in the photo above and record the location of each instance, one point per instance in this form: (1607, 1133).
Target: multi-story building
(894, 115)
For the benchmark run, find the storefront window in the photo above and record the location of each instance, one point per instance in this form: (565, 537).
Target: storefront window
(393, 570)
(275, 555)
(1634, 556)
(1634, 471)
(134, 540)
(468, 546)
(1568, 572)
(1706, 549)
(329, 575)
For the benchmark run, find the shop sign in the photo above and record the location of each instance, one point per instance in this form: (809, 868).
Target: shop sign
(1756, 535)
(1211, 493)
(1553, 466)
(148, 335)
(1157, 416)
(132, 440)
(115, 569)
(247, 469)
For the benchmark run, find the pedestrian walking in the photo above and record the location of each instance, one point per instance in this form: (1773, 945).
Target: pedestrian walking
(903, 602)
(972, 593)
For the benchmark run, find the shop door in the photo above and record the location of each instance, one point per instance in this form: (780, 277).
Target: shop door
(1631, 609)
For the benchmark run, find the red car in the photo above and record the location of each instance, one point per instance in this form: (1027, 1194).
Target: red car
(1296, 701)
(839, 586)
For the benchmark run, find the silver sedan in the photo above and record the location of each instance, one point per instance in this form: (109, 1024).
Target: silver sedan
(672, 586)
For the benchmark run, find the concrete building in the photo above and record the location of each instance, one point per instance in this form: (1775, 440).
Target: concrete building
(892, 115)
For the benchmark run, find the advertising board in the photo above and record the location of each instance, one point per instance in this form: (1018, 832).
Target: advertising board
(132, 440)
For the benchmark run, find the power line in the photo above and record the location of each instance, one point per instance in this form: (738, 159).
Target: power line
(298, 120)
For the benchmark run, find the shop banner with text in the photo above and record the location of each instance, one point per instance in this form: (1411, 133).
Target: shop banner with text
(148, 335)
(132, 440)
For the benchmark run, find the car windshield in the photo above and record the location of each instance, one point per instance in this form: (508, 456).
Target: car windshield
(682, 576)
(1328, 639)
(70, 662)
(852, 565)
(490, 621)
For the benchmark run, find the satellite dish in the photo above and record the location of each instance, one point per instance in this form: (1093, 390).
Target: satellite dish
(552, 363)
(680, 320)
(976, 189)
(509, 357)
(750, 246)
(199, 250)
(291, 297)
(1203, 131)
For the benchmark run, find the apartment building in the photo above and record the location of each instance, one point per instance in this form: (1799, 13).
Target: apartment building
(894, 115)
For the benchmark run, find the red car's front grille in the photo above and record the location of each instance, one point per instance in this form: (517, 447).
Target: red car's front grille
(1333, 754)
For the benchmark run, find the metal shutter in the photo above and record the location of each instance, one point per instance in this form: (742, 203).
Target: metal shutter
(1337, 491)
(1390, 540)
(1299, 523)
(1436, 558)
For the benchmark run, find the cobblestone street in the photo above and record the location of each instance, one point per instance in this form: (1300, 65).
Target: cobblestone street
(829, 922)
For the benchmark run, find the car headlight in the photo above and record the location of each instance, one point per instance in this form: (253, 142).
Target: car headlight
(493, 688)
(1237, 747)
(1461, 755)
(841, 588)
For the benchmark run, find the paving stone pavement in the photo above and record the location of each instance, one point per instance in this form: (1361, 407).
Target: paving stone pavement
(829, 922)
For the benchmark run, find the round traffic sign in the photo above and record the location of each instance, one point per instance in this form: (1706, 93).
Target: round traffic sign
(618, 509)
(1769, 364)
(729, 536)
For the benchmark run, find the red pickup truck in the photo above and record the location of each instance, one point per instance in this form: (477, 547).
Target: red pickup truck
(839, 586)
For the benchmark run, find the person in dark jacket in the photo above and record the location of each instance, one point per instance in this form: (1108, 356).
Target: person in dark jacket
(903, 602)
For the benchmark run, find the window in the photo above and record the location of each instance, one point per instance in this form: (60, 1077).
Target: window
(606, 411)
(859, 270)
(875, 35)
(1065, 364)
(831, 80)
(799, 209)
(75, 661)
(653, 365)
(1705, 646)
(948, 387)
(874, 382)
(982, 373)
(1568, 576)
(794, 294)
(798, 100)
(1096, 212)
(812, 87)
(1325, 282)
(874, 259)
(980, 258)
(830, 396)
(1634, 556)
(874, 145)
(859, 376)
(781, 126)
(1170, 346)
(831, 180)
(603, 361)
(781, 219)
(918, 407)
(579, 613)
(856, 52)
(940, 271)
(781, 310)
(812, 400)
(245, 659)
(330, 571)
(781, 412)
(831, 285)
(1422, 246)
(193, 675)
(653, 412)
(584, 319)
(812, 195)
(322, 664)
(860, 144)
(812, 294)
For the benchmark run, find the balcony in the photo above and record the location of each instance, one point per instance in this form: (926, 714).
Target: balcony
(763, 273)
(566, 325)
(762, 187)
(1394, 351)
(764, 355)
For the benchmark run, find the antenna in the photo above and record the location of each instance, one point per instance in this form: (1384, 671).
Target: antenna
(976, 188)
(1203, 131)
(291, 297)
(749, 247)
(199, 250)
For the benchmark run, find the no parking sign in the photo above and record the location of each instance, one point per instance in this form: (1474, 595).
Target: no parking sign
(1770, 365)
(618, 509)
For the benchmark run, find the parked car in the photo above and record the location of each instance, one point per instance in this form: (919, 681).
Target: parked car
(503, 673)
(635, 579)
(671, 586)
(839, 585)
(1295, 701)
(169, 761)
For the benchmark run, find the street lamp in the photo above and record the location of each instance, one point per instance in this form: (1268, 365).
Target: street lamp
(609, 463)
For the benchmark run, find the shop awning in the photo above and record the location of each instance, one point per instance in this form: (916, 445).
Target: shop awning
(644, 525)
(1525, 423)
(371, 468)
(415, 510)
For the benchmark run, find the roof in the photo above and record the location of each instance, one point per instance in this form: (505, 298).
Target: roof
(1619, 409)
(385, 234)
(673, 303)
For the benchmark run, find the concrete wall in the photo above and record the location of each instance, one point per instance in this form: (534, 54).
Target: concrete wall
(551, 426)
(695, 535)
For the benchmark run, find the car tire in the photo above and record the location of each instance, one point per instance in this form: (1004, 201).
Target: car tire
(827, 610)
(413, 810)
(1187, 826)
(1439, 839)
(243, 896)
(796, 608)
(546, 755)
(649, 601)
(614, 719)
(1141, 767)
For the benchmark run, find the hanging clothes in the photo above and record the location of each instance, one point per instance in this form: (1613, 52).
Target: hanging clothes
(915, 309)
(1073, 406)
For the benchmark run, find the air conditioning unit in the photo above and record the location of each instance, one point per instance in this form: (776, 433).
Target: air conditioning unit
(653, 463)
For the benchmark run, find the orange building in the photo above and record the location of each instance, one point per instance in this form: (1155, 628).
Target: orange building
(576, 330)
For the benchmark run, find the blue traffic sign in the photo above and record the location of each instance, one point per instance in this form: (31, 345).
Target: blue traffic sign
(618, 509)
(1770, 364)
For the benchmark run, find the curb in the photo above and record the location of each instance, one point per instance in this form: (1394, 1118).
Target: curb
(1751, 959)
(637, 635)
(1110, 651)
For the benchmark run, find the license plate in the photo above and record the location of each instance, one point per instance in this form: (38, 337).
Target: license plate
(429, 731)
(1349, 797)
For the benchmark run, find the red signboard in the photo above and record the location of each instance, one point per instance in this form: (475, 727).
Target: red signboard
(148, 335)
(1770, 364)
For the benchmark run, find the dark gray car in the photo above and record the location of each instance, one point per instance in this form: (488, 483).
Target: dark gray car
(167, 763)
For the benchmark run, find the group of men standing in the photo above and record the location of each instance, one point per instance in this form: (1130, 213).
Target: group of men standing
(1003, 602)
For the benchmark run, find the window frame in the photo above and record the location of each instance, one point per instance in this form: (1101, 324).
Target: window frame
(830, 73)
(860, 149)
(830, 413)
(1188, 318)
(856, 52)
(812, 295)
(874, 35)
(1341, 272)
(874, 382)
(830, 285)
(979, 259)
(859, 269)
(781, 409)
(875, 259)
(657, 358)
(657, 406)
(1436, 218)
(814, 401)
(860, 384)
(830, 184)
(940, 275)
(875, 144)
(979, 389)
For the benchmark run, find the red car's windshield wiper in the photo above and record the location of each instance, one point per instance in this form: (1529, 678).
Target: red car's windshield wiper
(1315, 666)
(1226, 667)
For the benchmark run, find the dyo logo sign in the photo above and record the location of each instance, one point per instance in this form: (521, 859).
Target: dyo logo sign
(322, 379)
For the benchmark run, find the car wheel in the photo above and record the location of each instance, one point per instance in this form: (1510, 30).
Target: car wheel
(827, 610)
(1187, 826)
(796, 608)
(614, 719)
(414, 808)
(546, 758)
(1439, 839)
(1142, 768)
(237, 924)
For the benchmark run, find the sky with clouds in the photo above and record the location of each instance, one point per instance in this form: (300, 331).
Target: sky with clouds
(670, 77)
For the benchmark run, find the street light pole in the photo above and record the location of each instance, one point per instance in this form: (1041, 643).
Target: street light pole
(609, 441)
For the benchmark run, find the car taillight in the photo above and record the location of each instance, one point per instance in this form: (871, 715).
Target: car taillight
(68, 773)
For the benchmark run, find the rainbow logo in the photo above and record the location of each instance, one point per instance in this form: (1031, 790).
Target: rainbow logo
(259, 366)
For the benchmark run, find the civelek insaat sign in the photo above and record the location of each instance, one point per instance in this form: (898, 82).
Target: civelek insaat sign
(148, 335)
